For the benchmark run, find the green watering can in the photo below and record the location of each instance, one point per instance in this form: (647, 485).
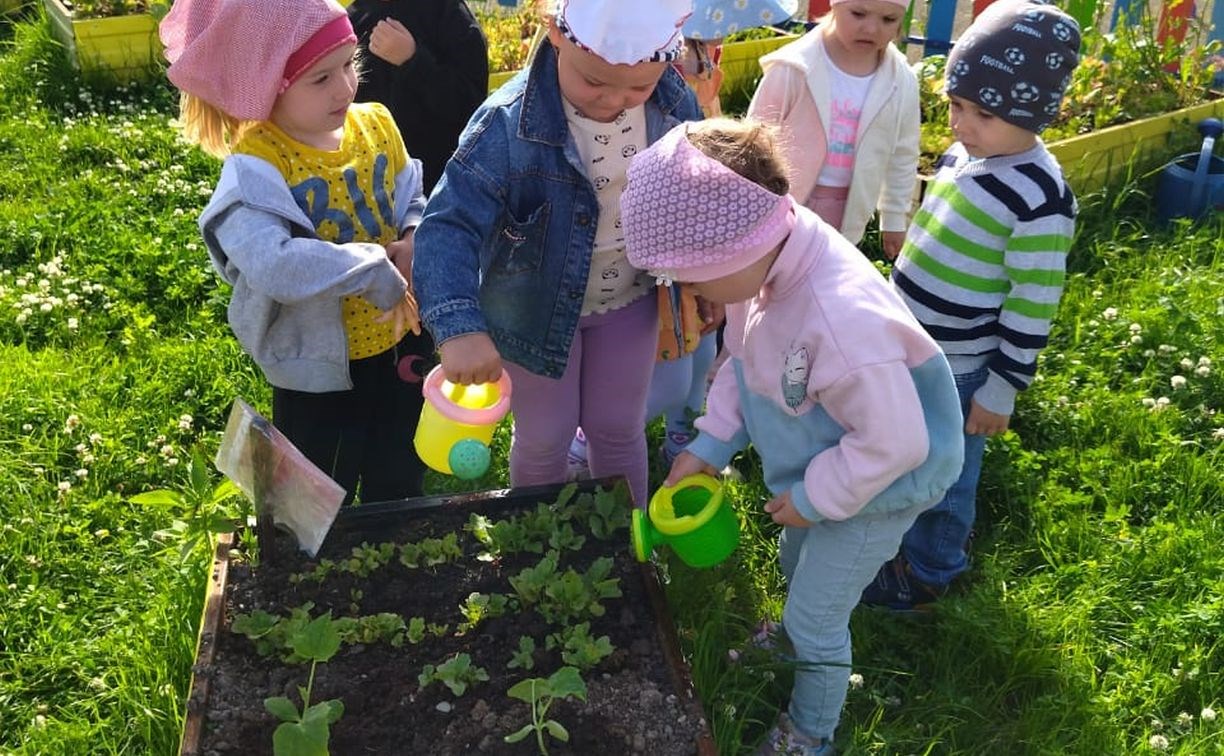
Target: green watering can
(693, 518)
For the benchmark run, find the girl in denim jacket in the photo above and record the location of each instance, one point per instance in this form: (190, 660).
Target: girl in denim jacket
(311, 225)
(520, 259)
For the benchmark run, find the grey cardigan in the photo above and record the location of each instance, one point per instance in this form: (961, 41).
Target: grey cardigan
(287, 283)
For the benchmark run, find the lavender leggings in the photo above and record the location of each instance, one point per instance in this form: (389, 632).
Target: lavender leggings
(603, 389)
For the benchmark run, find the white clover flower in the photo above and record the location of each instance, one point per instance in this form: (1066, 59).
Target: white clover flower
(1167, 349)
(189, 393)
(87, 458)
(1186, 363)
(1162, 402)
(1205, 360)
(72, 324)
(1159, 742)
(71, 423)
(1136, 339)
(856, 681)
(64, 485)
(1202, 371)
(1218, 434)
(22, 317)
(79, 448)
(1136, 328)
(1110, 313)
(1149, 353)
(166, 450)
(140, 460)
(1185, 719)
(26, 428)
(1208, 714)
(184, 422)
(1178, 382)
(95, 438)
(81, 473)
(171, 462)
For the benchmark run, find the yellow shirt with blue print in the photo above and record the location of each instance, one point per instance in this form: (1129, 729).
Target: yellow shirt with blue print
(348, 194)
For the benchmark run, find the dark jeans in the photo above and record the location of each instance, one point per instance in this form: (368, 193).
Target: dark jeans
(935, 545)
(362, 437)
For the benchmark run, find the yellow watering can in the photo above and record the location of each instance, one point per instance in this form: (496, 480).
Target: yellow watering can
(457, 423)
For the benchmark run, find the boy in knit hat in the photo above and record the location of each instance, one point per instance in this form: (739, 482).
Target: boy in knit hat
(982, 267)
(848, 402)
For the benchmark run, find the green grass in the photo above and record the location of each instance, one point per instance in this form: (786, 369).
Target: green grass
(1090, 624)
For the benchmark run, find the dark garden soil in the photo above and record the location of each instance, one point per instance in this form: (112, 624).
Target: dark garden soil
(635, 702)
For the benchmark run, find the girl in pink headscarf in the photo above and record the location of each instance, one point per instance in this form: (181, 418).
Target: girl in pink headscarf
(847, 104)
(311, 224)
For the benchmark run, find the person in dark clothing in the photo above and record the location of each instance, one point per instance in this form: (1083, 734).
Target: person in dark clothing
(427, 61)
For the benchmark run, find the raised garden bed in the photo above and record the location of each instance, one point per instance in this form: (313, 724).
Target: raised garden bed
(126, 47)
(638, 696)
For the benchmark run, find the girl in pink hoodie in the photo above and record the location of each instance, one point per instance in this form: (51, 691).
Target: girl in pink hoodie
(848, 402)
(847, 105)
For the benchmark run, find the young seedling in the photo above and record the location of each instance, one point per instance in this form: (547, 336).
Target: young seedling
(524, 658)
(457, 673)
(564, 538)
(578, 646)
(540, 693)
(366, 558)
(608, 514)
(479, 607)
(530, 583)
(306, 732)
(416, 630)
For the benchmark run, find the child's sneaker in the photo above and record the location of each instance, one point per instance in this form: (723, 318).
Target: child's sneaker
(576, 467)
(895, 587)
(770, 638)
(785, 740)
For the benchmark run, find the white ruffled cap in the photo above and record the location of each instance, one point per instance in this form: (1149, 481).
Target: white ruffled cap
(626, 31)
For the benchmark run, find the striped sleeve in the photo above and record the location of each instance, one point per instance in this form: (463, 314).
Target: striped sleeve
(983, 268)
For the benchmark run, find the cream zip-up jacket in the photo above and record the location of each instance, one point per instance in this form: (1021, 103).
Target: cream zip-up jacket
(794, 94)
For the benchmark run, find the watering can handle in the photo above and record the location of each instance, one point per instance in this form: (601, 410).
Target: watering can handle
(1210, 128)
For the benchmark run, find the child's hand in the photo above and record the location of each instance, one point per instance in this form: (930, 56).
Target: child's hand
(893, 241)
(404, 316)
(687, 464)
(400, 253)
(470, 358)
(983, 422)
(783, 512)
(392, 42)
(712, 315)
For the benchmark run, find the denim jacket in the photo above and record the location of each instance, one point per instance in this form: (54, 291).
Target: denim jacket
(505, 244)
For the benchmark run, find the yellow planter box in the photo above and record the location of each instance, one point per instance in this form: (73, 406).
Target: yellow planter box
(741, 61)
(1091, 161)
(125, 46)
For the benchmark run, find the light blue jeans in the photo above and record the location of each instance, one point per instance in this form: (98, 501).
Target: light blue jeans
(678, 392)
(935, 546)
(827, 566)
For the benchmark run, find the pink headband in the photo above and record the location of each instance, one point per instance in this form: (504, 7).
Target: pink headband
(337, 32)
(688, 217)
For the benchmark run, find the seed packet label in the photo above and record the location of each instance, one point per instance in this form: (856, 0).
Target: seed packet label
(278, 478)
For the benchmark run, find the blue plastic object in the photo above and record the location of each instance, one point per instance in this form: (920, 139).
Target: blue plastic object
(1192, 185)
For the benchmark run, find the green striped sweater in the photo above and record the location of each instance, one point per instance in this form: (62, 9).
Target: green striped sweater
(983, 264)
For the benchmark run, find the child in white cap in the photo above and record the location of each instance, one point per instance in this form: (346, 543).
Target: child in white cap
(849, 403)
(983, 266)
(847, 104)
(521, 258)
(311, 225)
